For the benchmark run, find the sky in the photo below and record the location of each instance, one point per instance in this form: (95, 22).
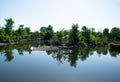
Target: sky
(98, 14)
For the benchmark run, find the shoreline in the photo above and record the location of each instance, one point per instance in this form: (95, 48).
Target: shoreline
(8, 43)
(111, 44)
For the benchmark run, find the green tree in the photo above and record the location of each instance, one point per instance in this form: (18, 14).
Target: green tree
(22, 31)
(59, 37)
(43, 32)
(46, 32)
(115, 33)
(55, 40)
(2, 34)
(86, 34)
(74, 34)
(35, 35)
(49, 33)
(2, 31)
(28, 30)
(101, 39)
(106, 32)
(9, 26)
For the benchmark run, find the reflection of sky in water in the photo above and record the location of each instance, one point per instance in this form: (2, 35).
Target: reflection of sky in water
(38, 66)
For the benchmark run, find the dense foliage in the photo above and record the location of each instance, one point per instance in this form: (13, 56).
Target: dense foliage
(75, 36)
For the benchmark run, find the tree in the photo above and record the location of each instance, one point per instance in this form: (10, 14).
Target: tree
(74, 34)
(28, 30)
(46, 32)
(55, 40)
(106, 32)
(86, 34)
(2, 34)
(22, 31)
(35, 35)
(2, 31)
(115, 33)
(59, 37)
(43, 33)
(49, 33)
(9, 26)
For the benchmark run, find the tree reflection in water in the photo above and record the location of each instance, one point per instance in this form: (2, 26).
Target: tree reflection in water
(69, 55)
(114, 52)
(73, 55)
(7, 51)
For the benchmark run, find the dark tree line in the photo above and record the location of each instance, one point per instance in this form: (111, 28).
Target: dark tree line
(75, 36)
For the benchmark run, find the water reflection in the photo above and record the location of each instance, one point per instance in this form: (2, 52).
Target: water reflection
(7, 51)
(73, 55)
(114, 52)
(69, 55)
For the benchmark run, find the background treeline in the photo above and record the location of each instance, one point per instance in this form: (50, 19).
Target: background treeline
(75, 36)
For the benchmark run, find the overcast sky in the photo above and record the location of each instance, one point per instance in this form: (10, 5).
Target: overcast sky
(98, 14)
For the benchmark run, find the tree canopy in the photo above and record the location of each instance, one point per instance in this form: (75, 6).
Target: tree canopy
(75, 36)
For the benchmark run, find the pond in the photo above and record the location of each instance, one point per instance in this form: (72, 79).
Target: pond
(95, 64)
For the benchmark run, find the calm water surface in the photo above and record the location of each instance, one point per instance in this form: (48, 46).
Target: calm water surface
(97, 64)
